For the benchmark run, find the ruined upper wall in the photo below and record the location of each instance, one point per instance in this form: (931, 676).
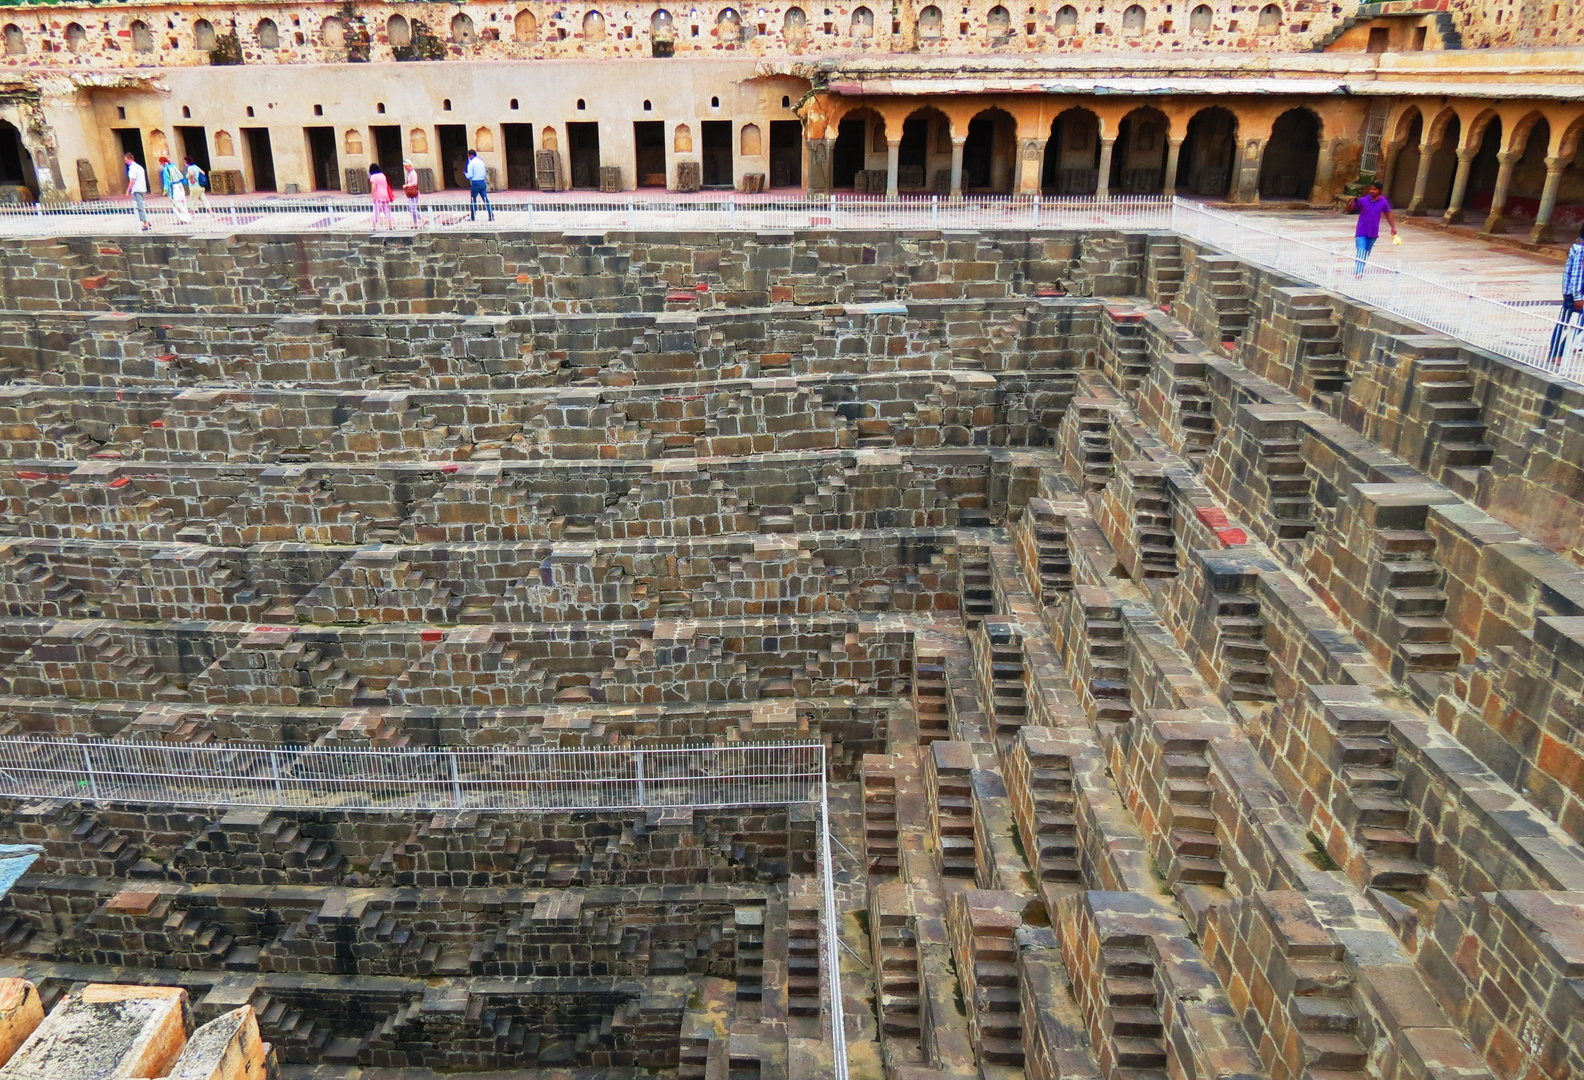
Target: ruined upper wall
(168, 35)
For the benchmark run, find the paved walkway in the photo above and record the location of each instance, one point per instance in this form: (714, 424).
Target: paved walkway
(1493, 269)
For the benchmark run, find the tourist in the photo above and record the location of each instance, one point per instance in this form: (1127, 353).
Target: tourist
(380, 192)
(198, 185)
(1371, 207)
(137, 187)
(410, 189)
(478, 184)
(173, 182)
(1565, 337)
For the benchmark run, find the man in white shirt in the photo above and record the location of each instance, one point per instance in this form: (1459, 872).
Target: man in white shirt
(137, 187)
(478, 184)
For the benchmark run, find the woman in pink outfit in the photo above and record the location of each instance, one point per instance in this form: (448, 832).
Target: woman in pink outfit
(380, 192)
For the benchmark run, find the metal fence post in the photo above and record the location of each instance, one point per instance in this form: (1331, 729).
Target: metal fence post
(93, 781)
(731, 211)
(638, 760)
(456, 781)
(832, 929)
(1036, 210)
(934, 209)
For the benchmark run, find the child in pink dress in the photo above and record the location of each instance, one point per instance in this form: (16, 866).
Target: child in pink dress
(380, 192)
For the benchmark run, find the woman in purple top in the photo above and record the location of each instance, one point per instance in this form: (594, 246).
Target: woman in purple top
(1372, 206)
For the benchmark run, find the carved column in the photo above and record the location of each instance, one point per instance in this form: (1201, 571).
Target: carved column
(956, 168)
(1169, 181)
(893, 163)
(1103, 181)
(1541, 233)
(1454, 210)
(1421, 179)
(1497, 221)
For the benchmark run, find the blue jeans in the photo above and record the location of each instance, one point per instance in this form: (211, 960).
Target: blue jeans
(1362, 246)
(1569, 325)
(480, 190)
(138, 208)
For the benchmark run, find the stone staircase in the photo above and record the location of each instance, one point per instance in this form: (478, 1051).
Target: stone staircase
(1290, 498)
(1322, 366)
(1152, 526)
(1166, 273)
(974, 583)
(1191, 823)
(1229, 296)
(931, 698)
(1106, 652)
(1129, 1009)
(1363, 757)
(803, 961)
(1412, 583)
(1455, 444)
(881, 845)
(897, 969)
(1240, 649)
(1094, 446)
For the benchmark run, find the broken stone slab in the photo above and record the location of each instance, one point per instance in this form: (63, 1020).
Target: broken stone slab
(226, 1048)
(105, 1032)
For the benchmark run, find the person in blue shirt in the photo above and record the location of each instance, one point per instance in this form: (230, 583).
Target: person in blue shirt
(1571, 322)
(478, 184)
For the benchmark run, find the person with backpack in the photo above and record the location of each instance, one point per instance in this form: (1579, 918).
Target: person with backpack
(198, 185)
(478, 184)
(174, 183)
(1570, 324)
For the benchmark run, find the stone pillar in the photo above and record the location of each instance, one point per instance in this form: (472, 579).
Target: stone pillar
(1169, 181)
(1421, 180)
(821, 153)
(1029, 165)
(956, 172)
(1541, 233)
(1325, 169)
(1103, 182)
(893, 160)
(1388, 168)
(1454, 210)
(1245, 184)
(1497, 221)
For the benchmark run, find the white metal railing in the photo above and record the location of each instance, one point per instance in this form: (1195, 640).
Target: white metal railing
(533, 779)
(592, 212)
(1522, 332)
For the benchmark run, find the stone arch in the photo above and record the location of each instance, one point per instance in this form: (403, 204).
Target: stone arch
(158, 145)
(1208, 155)
(1407, 135)
(1270, 20)
(353, 141)
(525, 27)
(1292, 156)
(332, 32)
(1072, 154)
(1133, 19)
(548, 139)
(462, 31)
(855, 135)
(398, 31)
(1529, 167)
(142, 36)
(990, 152)
(662, 27)
(929, 23)
(1067, 19)
(1520, 131)
(862, 25)
(224, 147)
(682, 140)
(15, 43)
(750, 144)
(76, 37)
(998, 23)
(1445, 134)
(728, 25)
(1485, 138)
(593, 26)
(16, 162)
(484, 140)
(266, 33)
(1138, 158)
(925, 150)
(418, 140)
(203, 35)
(794, 25)
(1201, 20)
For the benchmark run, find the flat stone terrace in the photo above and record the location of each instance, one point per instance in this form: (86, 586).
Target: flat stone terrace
(1199, 653)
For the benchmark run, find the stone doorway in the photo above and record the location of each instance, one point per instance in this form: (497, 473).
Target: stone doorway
(261, 158)
(322, 155)
(786, 153)
(649, 146)
(519, 142)
(583, 154)
(195, 145)
(453, 155)
(388, 152)
(717, 155)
